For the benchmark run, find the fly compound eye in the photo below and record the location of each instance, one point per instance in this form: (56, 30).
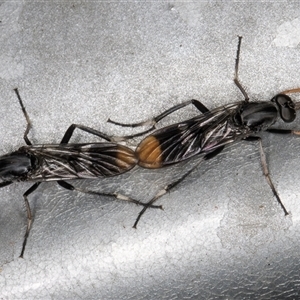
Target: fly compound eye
(286, 107)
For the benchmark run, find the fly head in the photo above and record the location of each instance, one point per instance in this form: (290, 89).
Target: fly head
(286, 107)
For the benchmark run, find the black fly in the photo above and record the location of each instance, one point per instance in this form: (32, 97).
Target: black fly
(38, 163)
(208, 133)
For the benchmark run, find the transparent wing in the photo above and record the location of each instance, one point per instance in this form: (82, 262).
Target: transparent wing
(180, 141)
(76, 161)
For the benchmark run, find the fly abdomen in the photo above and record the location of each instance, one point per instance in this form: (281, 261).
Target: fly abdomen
(149, 153)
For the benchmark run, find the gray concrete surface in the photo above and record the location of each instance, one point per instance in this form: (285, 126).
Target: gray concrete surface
(222, 233)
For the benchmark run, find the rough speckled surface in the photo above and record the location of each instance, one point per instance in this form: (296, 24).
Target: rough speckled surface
(221, 234)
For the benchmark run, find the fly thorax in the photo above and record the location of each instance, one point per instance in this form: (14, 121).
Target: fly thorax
(256, 116)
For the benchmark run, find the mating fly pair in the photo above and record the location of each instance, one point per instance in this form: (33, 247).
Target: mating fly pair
(208, 133)
(64, 161)
(205, 135)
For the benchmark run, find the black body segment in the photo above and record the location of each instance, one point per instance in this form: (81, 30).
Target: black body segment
(15, 166)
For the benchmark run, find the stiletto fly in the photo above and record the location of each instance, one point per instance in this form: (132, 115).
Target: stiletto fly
(208, 133)
(64, 161)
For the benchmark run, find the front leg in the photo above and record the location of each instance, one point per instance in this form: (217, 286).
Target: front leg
(283, 131)
(68, 134)
(153, 121)
(266, 170)
(29, 215)
(29, 125)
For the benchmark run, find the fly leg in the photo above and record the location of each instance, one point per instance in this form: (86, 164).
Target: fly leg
(118, 196)
(29, 215)
(68, 134)
(283, 131)
(162, 192)
(170, 186)
(201, 107)
(29, 124)
(266, 170)
(236, 70)
(153, 121)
